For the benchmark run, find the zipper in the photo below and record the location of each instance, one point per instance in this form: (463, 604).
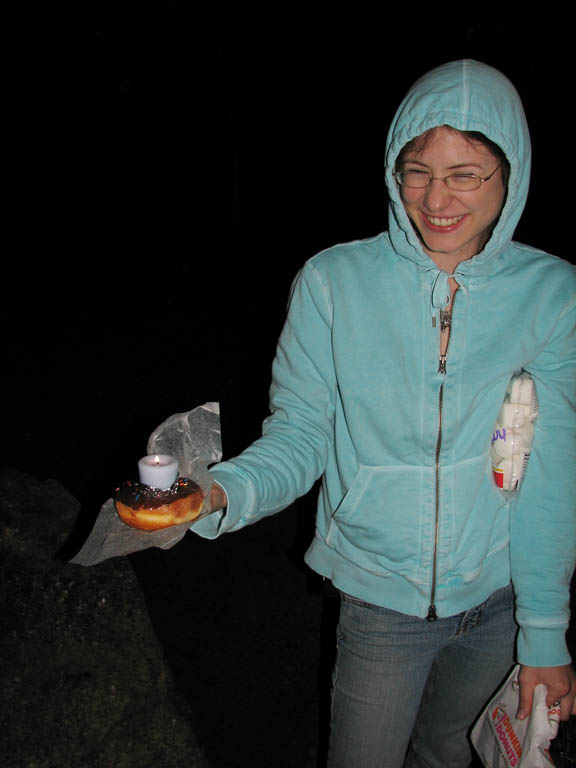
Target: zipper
(432, 614)
(445, 323)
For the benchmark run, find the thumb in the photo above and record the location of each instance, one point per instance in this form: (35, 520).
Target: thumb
(526, 697)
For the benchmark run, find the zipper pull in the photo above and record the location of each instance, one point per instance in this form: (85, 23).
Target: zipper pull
(433, 321)
(432, 615)
(442, 364)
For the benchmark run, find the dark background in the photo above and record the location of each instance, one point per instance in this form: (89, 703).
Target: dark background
(169, 174)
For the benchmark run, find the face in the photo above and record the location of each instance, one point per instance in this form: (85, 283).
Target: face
(453, 225)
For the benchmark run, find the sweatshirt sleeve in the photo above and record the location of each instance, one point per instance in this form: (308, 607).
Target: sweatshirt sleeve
(543, 517)
(291, 454)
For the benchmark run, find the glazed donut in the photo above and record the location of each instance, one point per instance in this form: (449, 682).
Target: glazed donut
(151, 509)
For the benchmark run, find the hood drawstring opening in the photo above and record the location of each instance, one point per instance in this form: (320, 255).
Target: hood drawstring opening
(440, 293)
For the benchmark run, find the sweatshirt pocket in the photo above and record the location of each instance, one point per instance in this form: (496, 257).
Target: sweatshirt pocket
(375, 526)
(479, 527)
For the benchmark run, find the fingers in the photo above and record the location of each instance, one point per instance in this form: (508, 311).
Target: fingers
(566, 706)
(561, 689)
(562, 694)
(218, 499)
(527, 683)
(556, 695)
(567, 701)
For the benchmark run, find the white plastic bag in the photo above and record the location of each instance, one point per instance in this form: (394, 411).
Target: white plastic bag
(502, 741)
(512, 436)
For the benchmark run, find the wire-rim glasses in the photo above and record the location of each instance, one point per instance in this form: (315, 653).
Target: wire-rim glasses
(460, 182)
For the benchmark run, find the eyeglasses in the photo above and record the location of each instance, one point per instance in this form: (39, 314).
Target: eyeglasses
(460, 182)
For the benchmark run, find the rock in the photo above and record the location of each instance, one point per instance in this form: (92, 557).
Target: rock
(84, 680)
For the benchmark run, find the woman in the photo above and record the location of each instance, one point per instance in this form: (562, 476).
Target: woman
(388, 379)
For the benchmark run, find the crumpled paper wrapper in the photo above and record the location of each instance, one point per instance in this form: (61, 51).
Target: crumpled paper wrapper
(501, 741)
(194, 439)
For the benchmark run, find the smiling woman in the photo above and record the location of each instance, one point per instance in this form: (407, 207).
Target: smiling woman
(453, 192)
(436, 570)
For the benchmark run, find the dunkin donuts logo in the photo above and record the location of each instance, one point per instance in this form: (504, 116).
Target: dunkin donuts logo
(506, 735)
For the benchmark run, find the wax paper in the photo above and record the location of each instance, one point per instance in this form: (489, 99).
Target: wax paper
(194, 438)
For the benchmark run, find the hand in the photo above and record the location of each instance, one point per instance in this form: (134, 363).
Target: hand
(561, 685)
(218, 498)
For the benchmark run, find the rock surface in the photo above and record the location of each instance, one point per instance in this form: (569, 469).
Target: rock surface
(84, 680)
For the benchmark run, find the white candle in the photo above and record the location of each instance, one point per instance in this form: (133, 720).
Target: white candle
(158, 471)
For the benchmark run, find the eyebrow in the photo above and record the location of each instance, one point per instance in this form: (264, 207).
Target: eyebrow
(450, 167)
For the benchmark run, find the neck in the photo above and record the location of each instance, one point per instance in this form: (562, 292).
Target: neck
(446, 261)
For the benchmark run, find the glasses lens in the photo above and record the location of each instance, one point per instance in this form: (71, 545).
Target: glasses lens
(463, 182)
(413, 179)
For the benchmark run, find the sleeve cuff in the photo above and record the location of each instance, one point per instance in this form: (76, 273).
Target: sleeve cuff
(238, 513)
(542, 647)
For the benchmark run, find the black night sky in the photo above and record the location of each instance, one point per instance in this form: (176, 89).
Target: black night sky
(170, 177)
(172, 173)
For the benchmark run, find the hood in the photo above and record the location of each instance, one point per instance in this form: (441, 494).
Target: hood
(468, 96)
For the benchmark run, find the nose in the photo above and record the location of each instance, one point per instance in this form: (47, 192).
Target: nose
(437, 195)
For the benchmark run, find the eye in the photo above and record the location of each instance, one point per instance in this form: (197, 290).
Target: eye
(463, 181)
(414, 178)
(415, 170)
(415, 175)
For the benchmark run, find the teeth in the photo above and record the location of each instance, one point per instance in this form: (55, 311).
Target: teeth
(444, 222)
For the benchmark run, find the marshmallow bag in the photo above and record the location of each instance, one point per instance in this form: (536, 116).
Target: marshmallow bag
(513, 433)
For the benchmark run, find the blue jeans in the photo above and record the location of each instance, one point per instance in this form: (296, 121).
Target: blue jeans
(401, 681)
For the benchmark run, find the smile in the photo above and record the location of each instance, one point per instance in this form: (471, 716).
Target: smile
(442, 222)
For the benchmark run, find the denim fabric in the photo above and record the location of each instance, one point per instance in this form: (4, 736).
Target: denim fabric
(401, 680)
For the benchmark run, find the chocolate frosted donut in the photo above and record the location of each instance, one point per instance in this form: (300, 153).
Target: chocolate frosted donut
(151, 509)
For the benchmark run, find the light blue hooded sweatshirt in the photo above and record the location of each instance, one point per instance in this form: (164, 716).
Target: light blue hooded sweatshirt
(409, 516)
